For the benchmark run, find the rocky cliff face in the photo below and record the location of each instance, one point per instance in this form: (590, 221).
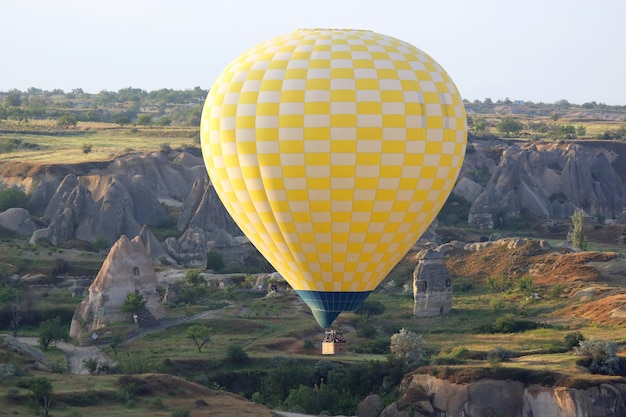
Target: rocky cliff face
(429, 396)
(546, 180)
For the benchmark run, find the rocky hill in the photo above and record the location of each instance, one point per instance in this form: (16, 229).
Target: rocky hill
(501, 182)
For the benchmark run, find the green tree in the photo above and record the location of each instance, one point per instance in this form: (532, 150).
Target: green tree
(12, 197)
(194, 277)
(133, 303)
(50, 332)
(12, 297)
(121, 119)
(407, 345)
(199, 334)
(87, 147)
(41, 387)
(14, 98)
(509, 125)
(579, 240)
(144, 119)
(214, 260)
(67, 120)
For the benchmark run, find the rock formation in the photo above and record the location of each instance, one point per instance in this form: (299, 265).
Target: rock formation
(203, 218)
(17, 220)
(428, 396)
(127, 268)
(550, 181)
(432, 285)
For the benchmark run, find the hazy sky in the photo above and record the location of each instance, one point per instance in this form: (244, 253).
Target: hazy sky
(537, 50)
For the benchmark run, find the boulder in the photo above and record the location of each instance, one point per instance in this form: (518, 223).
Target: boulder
(127, 268)
(369, 407)
(467, 189)
(17, 220)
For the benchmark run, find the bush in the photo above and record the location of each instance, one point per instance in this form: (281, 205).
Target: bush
(82, 399)
(573, 339)
(236, 354)
(508, 324)
(599, 356)
(499, 354)
(180, 413)
(12, 197)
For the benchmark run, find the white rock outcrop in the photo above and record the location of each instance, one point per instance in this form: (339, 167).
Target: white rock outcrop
(127, 268)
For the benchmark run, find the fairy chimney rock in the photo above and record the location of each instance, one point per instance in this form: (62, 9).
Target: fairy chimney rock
(432, 285)
(127, 268)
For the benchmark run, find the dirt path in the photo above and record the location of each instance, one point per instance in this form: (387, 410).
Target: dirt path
(75, 354)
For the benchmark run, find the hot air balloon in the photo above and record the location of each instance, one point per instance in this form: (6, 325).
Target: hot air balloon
(333, 150)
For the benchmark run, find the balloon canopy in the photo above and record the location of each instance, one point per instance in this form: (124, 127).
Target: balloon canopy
(333, 150)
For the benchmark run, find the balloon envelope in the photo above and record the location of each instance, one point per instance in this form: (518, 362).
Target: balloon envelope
(333, 150)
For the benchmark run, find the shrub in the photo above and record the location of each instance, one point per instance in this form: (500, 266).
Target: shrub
(308, 344)
(499, 283)
(82, 399)
(407, 345)
(12, 197)
(165, 148)
(573, 339)
(236, 354)
(499, 354)
(91, 365)
(599, 356)
(194, 277)
(214, 260)
(508, 324)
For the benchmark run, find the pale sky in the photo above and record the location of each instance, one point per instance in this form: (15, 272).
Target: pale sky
(535, 50)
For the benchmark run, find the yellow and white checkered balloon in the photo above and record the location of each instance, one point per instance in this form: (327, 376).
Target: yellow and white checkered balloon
(333, 150)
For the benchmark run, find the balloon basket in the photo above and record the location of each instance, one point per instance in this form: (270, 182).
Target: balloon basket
(334, 342)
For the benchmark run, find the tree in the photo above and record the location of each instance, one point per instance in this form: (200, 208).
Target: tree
(51, 331)
(579, 240)
(133, 303)
(214, 260)
(407, 345)
(144, 119)
(12, 197)
(194, 277)
(41, 387)
(14, 98)
(121, 119)
(508, 125)
(66, 121)
(199, 334)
